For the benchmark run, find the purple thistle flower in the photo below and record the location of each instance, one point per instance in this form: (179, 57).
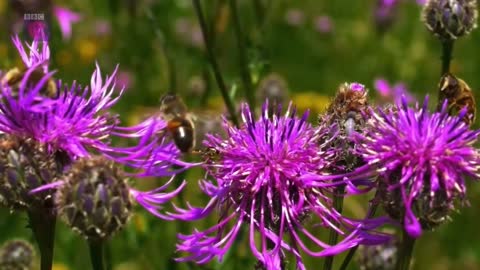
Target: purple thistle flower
(77, 123)
(38, 53)
(65, 19)
(261, 182)
(422, 160)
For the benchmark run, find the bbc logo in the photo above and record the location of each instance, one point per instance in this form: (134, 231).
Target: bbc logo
(34, 16)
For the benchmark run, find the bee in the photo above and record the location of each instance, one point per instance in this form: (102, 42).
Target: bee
(458, 95)
(179, 122)
(14, 77)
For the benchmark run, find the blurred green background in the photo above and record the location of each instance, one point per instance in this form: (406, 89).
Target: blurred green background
(159, 47)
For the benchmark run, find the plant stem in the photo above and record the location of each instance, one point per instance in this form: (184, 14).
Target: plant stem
(370, 214)
(213, 61)
(259, 12)
(42, 223)
(447, 51)
(242, 55)
(96, 254)
(333, 238)
(406, 250)
(108, 257)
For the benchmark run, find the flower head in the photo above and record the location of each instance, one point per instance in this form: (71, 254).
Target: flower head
(16, 254)
(349, 111)
(450, 19)
(422, 160)
(77, 124)
(95, 199)
(38, 53)
(262, 181)
(377, 257)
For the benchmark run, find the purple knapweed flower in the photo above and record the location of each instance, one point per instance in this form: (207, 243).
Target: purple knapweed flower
(65, 19)
(38, 53)
(261, 184)
(74, 124)
(422, 159)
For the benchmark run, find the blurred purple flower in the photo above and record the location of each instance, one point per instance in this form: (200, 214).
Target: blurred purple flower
(422, 159)
(38, 30)
(392, 93)
(295, 17)
(125, 79)
(385, 12)
(65, 19)
(323, 24)
(103, 27)
(264, 181)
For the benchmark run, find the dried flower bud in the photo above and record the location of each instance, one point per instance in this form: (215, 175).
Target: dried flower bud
(25, 165)
(274, 88)
(458, 96)
(450, 19)
(347, 110)
(16, 255)
(379, 257)
(95, 199)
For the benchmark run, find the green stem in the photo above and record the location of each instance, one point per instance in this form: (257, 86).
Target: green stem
(42, 223)
(371, 212)
(108, 257)
(96, 254)
(447, 51)
(333, 237)
(259, 12)
(242, 55)
(406, 250)
(213, 62)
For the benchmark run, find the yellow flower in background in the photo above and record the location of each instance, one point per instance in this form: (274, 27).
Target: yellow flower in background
(317, 103)
(3, 47)
(140, 223)
(216, 104)
(59, 266)
(139, 114)
(87, 50)
(3, 6)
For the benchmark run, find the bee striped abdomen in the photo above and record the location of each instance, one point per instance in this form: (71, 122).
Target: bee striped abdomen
(182, 133)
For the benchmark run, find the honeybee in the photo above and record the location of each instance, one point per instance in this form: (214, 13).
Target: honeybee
(179, 122)
(458, 95)
(14, 77)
